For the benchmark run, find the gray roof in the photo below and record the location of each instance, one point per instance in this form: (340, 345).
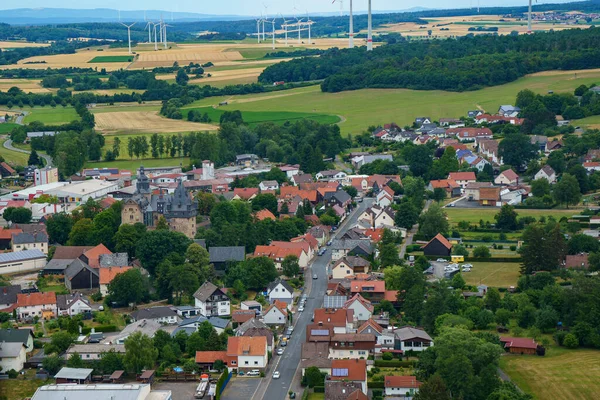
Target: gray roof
(92, 348)
(187, 329)
(114, 260)
(153, 313)
(224, 254)
(340, 390)
(353, 261)
(201, 242)
(58, 265)
(25, 238)
(8, 294)
(205, 291)
(128, 391)
(21, 256)
(10, 349)
(64, 301)
(76, 267)
(340, 196)
(74, 373)
(334, 301)
(214, 321)
(349, 244)
(146, 326)
(15, 335)
(250, 324)
(286, 285)
(409, 332)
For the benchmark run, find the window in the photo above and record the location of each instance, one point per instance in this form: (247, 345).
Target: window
(362, 353)
(233, 362)
(245, 362)
(255, 362)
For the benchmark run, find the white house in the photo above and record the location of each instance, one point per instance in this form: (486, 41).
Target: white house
(331, 175)
(591, 166)
(385, 219)
(409, 338)
(479, 163)
(508, 111)
(12, 356)
(161, 314)
(363, 309)
(212, 301)
(463, 178)
(404, 387)
(268, 185)
(93, 352)
(23, 336)
(247, 352)
(348, 266)
(546, 173)
(385, 339)
(72, 304)
(282, 291)
(508, 177)
(385, 197)
(276, 314)
(42, 305)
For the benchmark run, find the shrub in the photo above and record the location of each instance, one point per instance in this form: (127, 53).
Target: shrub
(376, 384)
(12, 374)
(394, 363)
(319, 389)
(513, 248)
(571, 341)
(481, 252)
(500, 247)
(96, 296)
(388, 356)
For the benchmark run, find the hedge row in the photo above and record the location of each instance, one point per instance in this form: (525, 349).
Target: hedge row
(376, 384)
(319, 389)
(100, 328)
(475, 259)
(220, 383)
(394, 363)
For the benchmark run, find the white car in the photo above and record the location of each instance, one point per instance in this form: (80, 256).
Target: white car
(441, 260)
(279, 351)
(276, 375)
(301, 308)
(466, 270)
(254, 372)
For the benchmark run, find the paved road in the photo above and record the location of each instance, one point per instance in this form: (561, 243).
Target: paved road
(410, 234)
(288, 364)
(21, 117)
(8, 145)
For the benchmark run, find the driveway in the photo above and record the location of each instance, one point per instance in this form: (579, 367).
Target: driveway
(464, 203)
(179, 390)
(238, 388)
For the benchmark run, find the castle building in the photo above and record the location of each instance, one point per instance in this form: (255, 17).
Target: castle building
(145, 207)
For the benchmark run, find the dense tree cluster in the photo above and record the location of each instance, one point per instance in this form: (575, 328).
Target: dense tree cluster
(466, 63)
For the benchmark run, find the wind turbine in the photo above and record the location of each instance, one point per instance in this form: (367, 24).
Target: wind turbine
(370, 27)
(529, 29)
(129, 34)
(165, 35)
(309, 22)
(258, 21)
(285, 28)
(299, 22)
(265, 20)
(341, 6)
(351, 27)
(149, 26)
(155, 38)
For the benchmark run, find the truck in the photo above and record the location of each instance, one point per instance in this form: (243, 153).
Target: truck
(202, 387)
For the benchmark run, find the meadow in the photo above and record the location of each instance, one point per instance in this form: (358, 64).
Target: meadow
(366, 107)
(474, 215)
(257, 117)
(51, 116)
(7, 127)
(13, 157)
(494, 274)
(560, 374)
(134, 164)
(110, 59)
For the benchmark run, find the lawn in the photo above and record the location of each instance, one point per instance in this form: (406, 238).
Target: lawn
(7, 127)
(474, 215)
(133, 165)
(21, 388)
(561, 374)
(258, 117)
(52, 116)
(13, 157)
(109, 59)
(496, 274)
(316, 396)
(367, 107)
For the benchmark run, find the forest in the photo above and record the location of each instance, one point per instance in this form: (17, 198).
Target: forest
(61, 47)
(467, 63)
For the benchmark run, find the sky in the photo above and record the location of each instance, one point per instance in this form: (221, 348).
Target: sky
(254, 7)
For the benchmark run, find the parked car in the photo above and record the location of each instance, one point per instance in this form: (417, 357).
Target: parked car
(276, 375)
(301, 308)
(329, 243)
(322, 251)
(283, 343)
(442, 260)
(254, 372)
(279, 351)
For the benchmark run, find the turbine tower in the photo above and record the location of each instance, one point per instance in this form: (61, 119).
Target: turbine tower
(149, 26)
(258, 21)
(285, 28)
(370, 27)
(309, 22)
(155, 37)
(299, 22)
(129, 34)
(351, 25)
(529, 28)
(165, 35)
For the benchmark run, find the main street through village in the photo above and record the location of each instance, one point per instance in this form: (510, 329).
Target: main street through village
(288, 364)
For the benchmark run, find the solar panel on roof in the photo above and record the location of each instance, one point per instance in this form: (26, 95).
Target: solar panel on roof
(319, 332)
(334, 301)
(340, 372)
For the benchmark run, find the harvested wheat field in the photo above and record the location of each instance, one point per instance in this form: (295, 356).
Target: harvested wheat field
(20, 44)
(145, 121)
(216, 76)
(26, 85)
(80, 59)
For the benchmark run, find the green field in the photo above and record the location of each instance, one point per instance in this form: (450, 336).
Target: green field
(366, 107)
(255, 53)
(474, 215)
(560, 374)
(134, 164)
(495, 274)
(7, 127)
(13, 157)
(109, 59)
(52, 116)
(256, 117)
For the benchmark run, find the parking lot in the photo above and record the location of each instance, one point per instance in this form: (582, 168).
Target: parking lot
(239, 388)
(179, 390)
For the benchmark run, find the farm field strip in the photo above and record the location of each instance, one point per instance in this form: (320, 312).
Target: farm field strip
(267, 116)
(52, 116)
(145, 121)
(7, 44)
(134, 164)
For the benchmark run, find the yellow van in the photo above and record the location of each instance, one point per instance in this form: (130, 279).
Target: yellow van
(458, 259)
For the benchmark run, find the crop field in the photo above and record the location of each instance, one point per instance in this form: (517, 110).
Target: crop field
(474, 215)
(252, 117)
(79, 59)
(145, 121)
(494, 274)
(111, 59)
(560, 374)
(52, 116)
(20, 44)
(26, 85)
(366, 107)
(459, 26)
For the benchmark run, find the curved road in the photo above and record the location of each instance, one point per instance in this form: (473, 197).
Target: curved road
(8, 145)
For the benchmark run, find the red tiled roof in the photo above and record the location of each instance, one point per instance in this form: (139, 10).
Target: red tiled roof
(8, 168)
(521, 343)
(245, 193)
(370, 323)
(209, 357)
(6, 234)
(357, 297)
(246, 346)
(510, 174)
(391, 295)
(35, 299)
(357, 395)
(265, 214)
(462, 176)
(367, 286)
(241, 316)
(442, 240)
(375, 234)
(107, 274)
(337, 318)
(409, 382)
(352, 370)
(93, 255)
